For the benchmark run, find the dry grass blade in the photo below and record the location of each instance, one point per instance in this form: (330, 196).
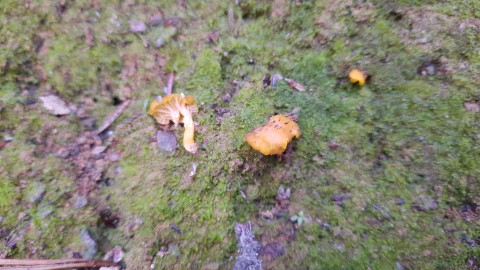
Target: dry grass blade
(171, 77)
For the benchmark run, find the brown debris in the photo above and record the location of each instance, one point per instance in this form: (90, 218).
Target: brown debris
(89, 38)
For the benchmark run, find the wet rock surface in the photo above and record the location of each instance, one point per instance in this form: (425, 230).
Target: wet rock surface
(166, 141)
(248, 249)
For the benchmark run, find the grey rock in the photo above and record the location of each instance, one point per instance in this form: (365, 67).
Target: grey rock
(35, 191)
(138, 27)
(80, 201)
(174, 250)
(89, 246)
(98, 150)
(248, 249)
(115, 255)
(166, 141)
(431, 70)
(283, 193)
(159, 42)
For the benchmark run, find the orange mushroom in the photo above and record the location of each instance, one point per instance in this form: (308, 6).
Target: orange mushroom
(272, 139)
(177, 108)
(357, 76)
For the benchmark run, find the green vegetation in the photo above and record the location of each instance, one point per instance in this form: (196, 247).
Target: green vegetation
(382, 175)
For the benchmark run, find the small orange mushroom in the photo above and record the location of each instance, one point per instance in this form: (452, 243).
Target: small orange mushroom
(177, 108)
(357, 76)
(272, 139)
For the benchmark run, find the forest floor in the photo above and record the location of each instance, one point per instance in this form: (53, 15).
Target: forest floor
(384, 176)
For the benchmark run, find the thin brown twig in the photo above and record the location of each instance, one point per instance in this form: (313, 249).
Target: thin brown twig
(4, 262)
(52, 264)
(112, 117)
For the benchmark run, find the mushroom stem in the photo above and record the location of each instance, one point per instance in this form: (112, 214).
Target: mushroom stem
(188, 136)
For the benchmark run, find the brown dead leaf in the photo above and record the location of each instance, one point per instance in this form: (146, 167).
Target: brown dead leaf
(89, 38)
(296, 85)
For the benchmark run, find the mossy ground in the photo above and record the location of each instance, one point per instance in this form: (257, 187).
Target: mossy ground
(406, 167)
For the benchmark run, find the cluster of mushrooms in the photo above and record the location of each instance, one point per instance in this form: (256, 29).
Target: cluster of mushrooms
(270, 139)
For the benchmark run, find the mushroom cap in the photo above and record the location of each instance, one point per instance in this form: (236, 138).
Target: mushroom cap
(272, 138)
(172, 108)
(357, 76)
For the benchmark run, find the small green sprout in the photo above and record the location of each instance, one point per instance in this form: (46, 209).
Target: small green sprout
(298, 218)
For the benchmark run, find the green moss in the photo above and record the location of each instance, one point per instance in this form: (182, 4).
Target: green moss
(207, 77)
(73, 67)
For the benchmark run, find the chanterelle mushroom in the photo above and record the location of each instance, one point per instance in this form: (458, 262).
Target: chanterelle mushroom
(178, 109)
(357, 76)
(272, 139)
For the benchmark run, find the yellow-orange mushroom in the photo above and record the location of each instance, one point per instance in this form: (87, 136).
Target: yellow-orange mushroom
(177, 108)
(357, 76)
(272, 139)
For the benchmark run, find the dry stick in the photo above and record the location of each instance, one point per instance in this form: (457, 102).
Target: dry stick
(52, 264)
(111, 118)
(5, 262)
(170, 83)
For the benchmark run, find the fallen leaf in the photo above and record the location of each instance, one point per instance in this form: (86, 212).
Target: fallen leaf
(295, 85)
(55, 105)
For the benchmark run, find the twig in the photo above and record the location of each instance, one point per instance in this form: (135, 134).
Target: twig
(171, 76)
(112, 117)
(4, 262)
(52, 264)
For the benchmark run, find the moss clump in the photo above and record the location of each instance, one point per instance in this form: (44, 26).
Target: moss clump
(207, 76)
(72, 67)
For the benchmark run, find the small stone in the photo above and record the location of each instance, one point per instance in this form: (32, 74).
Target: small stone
(423, 40)
(166, 141)
(175, 228)
(98, 150)
(159, 42)
(471, 106)
(80, 201)
(55, 105)
(431, 70)
(338, 199)
(283, 194)
(89, 246)
(399, 201)
(174, 250)
(399, 266)
(35, 191)
(138, 27)
(163, 251)
(425, 203)
(212, 266)
(115, 255)
(114, 157)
